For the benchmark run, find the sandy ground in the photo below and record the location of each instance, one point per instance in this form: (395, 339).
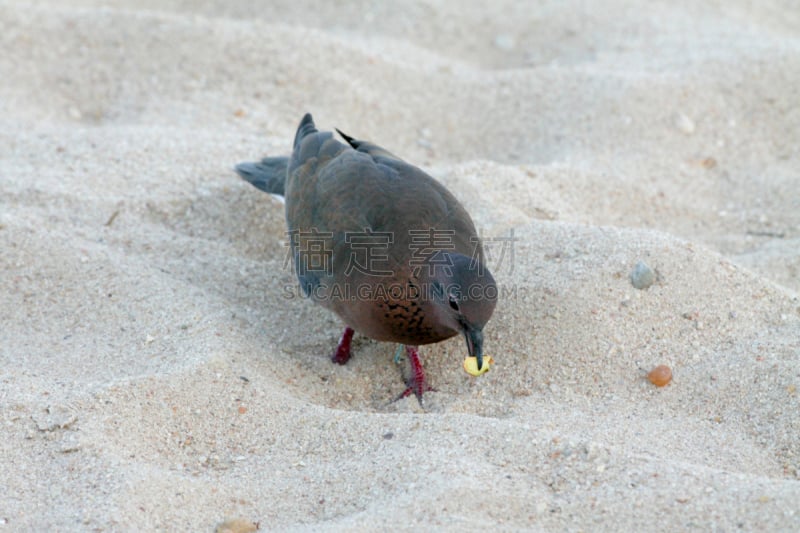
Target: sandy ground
(156, 373)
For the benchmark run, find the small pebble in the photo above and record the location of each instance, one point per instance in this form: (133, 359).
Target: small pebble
(642, 276)
(236, 525)
(660, 375)
(684, 123)
(708, 162)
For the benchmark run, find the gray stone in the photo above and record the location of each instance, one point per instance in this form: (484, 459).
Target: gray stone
(642, 276)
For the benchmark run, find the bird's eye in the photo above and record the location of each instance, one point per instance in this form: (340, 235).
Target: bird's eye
(453, 303)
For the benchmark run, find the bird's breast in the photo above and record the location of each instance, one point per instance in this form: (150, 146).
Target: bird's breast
(386, 310)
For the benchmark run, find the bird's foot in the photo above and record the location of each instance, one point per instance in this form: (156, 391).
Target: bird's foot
(398, 354)
(416, 383)
(342, 353)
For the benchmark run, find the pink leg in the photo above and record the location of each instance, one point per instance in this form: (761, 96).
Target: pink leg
(342, 353)
(416, 383)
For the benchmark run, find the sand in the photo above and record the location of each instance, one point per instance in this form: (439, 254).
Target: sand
(158, 372)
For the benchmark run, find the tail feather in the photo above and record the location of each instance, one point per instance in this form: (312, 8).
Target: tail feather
(305, 128)
(269, 174)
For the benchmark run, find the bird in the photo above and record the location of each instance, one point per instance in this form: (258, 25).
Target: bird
(381, 244)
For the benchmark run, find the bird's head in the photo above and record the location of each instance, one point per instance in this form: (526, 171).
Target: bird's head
(464, 294)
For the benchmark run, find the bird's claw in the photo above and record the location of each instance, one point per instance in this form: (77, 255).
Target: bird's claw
(416, 390)
(416, 383)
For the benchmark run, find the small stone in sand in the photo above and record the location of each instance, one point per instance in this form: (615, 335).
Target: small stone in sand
(708, 162)
(684, 123)
(642, 276)
(236, 525)
(660, 375)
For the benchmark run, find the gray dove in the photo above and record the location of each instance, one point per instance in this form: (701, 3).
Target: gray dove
(381, 244)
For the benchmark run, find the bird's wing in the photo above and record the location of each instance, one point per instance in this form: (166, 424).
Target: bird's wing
(367, 147)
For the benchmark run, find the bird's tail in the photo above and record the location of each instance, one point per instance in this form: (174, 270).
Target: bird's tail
(305, 128)
(269, 174)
